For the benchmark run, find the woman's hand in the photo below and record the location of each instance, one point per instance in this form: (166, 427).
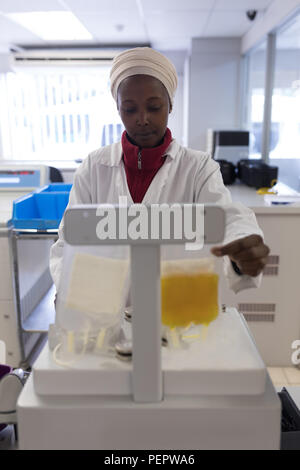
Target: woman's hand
(250, 254)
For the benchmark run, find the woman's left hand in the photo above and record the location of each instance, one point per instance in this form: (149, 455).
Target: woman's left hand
(250, 254)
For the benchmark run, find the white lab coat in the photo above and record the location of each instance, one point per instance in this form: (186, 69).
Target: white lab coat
(187, 176)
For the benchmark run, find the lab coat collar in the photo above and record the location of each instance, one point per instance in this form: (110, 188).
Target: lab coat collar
(112, 154)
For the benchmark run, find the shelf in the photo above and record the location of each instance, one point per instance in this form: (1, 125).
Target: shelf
(43, 315)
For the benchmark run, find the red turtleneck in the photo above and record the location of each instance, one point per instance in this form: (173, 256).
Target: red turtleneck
(141, 165)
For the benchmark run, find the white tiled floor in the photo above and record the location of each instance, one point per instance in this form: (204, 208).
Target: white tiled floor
(284, 376)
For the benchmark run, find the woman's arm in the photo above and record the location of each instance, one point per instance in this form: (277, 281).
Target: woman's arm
(243, 242)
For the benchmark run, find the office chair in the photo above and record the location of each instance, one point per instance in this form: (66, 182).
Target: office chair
(55, 175)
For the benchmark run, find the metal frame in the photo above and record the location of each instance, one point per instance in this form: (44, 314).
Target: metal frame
(243, 102)
(269, 87)
(14, 236)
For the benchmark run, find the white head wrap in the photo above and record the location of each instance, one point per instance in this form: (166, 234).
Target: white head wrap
(143, 61)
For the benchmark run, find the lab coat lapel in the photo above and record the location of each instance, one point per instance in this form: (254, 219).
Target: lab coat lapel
(154, 191)
(153, 194)
(121, 183)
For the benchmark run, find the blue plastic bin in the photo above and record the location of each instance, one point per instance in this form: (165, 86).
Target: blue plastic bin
(42, 209)
(55, 187)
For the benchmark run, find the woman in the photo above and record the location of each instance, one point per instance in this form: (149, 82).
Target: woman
(149, 166)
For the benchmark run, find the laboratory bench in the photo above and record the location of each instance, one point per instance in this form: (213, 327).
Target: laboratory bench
(8, 441)
(273, 310)
(286, 199)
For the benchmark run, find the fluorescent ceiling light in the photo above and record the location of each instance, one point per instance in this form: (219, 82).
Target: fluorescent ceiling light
(52, 25)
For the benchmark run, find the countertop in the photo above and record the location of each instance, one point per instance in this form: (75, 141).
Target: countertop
(267, 203)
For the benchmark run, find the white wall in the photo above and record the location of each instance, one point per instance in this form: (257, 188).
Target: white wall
(176, 116)
(214, 85)
(185, 98)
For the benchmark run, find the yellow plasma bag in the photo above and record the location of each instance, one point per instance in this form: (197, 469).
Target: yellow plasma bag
(189, 292)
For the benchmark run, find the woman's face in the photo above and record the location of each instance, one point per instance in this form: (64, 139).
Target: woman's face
(144, 107)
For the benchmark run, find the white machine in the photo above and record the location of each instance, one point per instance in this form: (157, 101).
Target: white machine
(213, 394)
(230, 145)
(24, 275)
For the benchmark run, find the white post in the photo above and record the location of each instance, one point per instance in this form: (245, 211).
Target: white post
(146, 323)
(269, 86)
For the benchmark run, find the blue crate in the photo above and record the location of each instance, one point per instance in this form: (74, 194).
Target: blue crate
(55, 187)
(42, 209)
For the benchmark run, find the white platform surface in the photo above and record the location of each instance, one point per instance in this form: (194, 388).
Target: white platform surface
(114, 422)
(225, 362)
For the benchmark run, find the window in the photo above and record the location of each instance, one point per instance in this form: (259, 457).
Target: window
(61, 114)
(286, 94)
(256, 98)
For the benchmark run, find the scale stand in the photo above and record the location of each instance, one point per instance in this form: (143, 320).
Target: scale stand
(80, 228)
(202, 398)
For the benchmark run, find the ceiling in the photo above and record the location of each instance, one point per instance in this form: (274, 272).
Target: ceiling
(164, 24)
